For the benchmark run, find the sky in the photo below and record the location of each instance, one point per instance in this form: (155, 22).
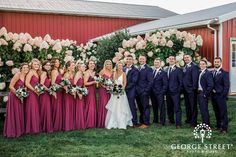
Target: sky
(177, 6)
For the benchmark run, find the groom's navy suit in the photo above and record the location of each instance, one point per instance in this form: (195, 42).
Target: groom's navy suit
(143, 89)
(132, 79)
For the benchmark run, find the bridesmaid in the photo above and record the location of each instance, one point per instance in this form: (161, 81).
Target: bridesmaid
(56, 76)
(90, 100)
(69, 98)
(32, 103)
(80, 104)
(14, 125)
(45, 99)
(104, 96)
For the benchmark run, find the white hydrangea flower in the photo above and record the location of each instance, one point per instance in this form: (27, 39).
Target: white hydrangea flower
(27, 48)
(2, 85)
(15, 70)
(9, 63)
(150, 54)
(5, 98)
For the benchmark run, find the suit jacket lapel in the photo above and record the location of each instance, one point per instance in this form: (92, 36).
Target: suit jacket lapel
(217, 76)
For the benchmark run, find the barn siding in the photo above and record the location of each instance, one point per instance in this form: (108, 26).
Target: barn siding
(229, 30)
(207, 49)
(79, 28)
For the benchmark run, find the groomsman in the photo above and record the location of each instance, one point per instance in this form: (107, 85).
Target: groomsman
(190, 83)
(143, 89)
(159, 89)
(175, 85)
(219, 95)
(205, 86)
(132, 79)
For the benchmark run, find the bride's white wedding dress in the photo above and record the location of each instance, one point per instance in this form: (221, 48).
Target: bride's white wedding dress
(118, 114)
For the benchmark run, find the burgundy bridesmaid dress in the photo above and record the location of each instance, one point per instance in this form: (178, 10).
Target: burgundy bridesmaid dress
(57, 118)
(90, 106)
(104, 97)
(32, 110)
(14, 125)
(69, 110)
(80, 109)
(45, 109)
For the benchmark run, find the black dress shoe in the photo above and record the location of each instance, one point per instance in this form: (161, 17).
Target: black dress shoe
(223, 131)
(187, 121)
(171, 122)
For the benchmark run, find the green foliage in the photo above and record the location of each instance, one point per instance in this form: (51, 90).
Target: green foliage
(107, 47)
(152, 142)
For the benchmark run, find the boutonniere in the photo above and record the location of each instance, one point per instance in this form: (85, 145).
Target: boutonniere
(159, 72)
(204, 72)
(218, 72)
(173, 68)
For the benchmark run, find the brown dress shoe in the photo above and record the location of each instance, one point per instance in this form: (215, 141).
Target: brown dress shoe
(178, 126)
(143, 126)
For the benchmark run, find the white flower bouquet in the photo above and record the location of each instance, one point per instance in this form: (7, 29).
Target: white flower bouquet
(39, 88)
(82, 90)
(22, 93)
(54, 88)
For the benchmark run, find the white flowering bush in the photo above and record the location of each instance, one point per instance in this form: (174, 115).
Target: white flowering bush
(18, 48)
(161, 44)
(86, 52)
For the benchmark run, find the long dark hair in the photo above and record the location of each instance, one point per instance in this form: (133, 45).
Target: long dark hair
(47, 71)
(53, 61)
(87, 66)
(67, 65)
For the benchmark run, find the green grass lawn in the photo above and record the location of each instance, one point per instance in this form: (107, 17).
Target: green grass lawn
(153, 141)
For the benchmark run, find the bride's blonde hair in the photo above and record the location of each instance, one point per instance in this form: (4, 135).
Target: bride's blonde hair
(116, 67)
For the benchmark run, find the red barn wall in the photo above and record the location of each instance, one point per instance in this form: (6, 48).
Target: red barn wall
(207, 49)
(79, 28)
(229, 30)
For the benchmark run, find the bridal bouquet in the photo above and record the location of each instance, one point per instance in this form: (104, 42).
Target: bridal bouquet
(117, 90)
(82, 90)
(54, 88)
(65, 82)
(109, 83)
(21, 93)
(39, 88)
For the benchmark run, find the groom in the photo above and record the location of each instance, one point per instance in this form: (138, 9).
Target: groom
(143, 89)
(132, 78)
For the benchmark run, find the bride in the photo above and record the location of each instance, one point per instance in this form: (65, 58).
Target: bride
(118, 111)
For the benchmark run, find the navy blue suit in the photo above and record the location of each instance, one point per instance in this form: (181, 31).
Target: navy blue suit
(175, 86)
(219, 98)
(143, 89)
(159, 88)
(132, 79)
(190, 83)
(207, 84)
